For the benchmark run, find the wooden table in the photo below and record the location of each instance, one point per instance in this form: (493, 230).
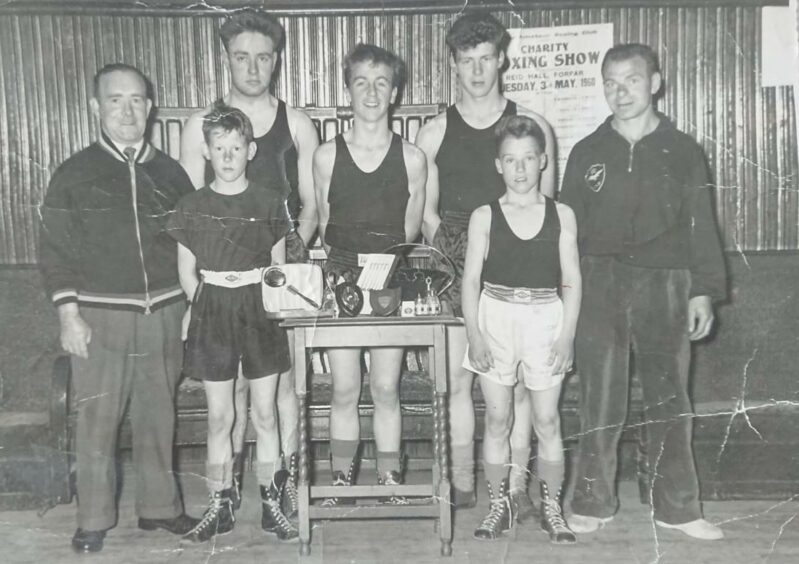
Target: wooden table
(361, 332)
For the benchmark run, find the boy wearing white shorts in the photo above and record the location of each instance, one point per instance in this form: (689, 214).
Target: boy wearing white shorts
(521, 300)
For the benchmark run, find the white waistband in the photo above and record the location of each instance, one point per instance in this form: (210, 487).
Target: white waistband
(230, 278)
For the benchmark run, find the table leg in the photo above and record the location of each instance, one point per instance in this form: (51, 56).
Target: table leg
(445, 527)
(436, 446)
(438, 363)
(303, 487)
(436, 430)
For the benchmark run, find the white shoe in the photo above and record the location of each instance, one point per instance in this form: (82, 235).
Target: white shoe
(582, 524)
(698, 529)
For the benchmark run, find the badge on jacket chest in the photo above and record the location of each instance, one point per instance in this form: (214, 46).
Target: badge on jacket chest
(595, 176)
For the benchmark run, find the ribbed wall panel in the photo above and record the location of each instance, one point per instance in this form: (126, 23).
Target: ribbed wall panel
(710, 57)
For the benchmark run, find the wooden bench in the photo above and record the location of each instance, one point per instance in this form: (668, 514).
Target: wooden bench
(415, 389)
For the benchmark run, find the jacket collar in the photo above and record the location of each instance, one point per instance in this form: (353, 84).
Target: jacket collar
(664, 124)
(145, 153)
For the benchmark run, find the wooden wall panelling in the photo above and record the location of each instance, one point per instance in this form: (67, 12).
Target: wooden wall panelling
(710, 55)
(7, 107)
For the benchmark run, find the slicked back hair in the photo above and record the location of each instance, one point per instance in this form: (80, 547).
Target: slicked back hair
(256, 22)
(120, 67)
(627, 51)
(366, 53)
(224, 118)
(519, 127)
(475, 28)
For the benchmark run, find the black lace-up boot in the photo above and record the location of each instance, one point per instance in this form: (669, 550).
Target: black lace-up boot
(552, 521)
(273, 520)
(500, 514)
(391, 478)
(218, 518)
(290, 495)
(341, 479)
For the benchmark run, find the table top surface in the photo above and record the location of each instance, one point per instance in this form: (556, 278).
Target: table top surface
(366, 320)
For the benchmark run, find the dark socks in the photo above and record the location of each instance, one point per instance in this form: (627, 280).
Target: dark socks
(342, 453)
(551, 472)
(494, 474)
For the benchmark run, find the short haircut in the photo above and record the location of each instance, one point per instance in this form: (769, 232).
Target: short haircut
(365, 53)
(627, 51)
(224, 118)
(254, 21)
(519, 127)
(120, 67)
(475, 28)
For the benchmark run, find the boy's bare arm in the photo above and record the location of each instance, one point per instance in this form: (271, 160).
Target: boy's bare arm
(548, 182)
(306, 139)
(323, 159)
(187, 271)
(476, 250)
(192, 158)
(571, 289)
(416, 165)
(429, 141)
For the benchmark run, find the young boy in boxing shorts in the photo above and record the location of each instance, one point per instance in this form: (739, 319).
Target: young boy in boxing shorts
(227, 232)
(521, 299)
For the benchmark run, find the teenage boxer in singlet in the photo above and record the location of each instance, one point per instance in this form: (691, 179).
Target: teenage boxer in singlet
(285, 139)
(370, 195)
(459, 145)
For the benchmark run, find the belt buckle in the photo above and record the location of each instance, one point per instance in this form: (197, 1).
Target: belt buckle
(232, 277)
(521, 294)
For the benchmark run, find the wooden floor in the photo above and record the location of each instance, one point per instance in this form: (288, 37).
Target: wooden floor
(757, 531)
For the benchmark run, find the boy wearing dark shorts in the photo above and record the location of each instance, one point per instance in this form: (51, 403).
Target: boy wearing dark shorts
(227, 232)
(522, 248)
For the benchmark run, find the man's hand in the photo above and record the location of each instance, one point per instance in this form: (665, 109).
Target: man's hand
(700, 317)
(75, 333)
(184, 326)
(480, 355)
(562, 355)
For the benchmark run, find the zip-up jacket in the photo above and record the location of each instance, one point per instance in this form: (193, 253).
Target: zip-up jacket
(103, 237)
(648, 204)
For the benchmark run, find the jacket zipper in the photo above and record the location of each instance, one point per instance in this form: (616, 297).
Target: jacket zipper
(132, 170)
(630, 161)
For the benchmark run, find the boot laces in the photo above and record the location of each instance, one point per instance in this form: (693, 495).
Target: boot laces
(290, 489)
(554, 516)
(496, 511)
(210, 516)
(388, 480)
(274, 508)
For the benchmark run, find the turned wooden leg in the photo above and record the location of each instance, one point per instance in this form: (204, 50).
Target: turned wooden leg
(445, 528)
(304, 490)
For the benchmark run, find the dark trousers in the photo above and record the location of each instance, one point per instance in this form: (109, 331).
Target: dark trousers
(133, 358)
(643, 310)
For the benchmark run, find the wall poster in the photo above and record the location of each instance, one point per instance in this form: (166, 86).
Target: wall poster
(556, 72)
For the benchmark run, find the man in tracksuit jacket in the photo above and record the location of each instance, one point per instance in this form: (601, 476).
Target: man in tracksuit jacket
(651, 265)
(111, 270)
